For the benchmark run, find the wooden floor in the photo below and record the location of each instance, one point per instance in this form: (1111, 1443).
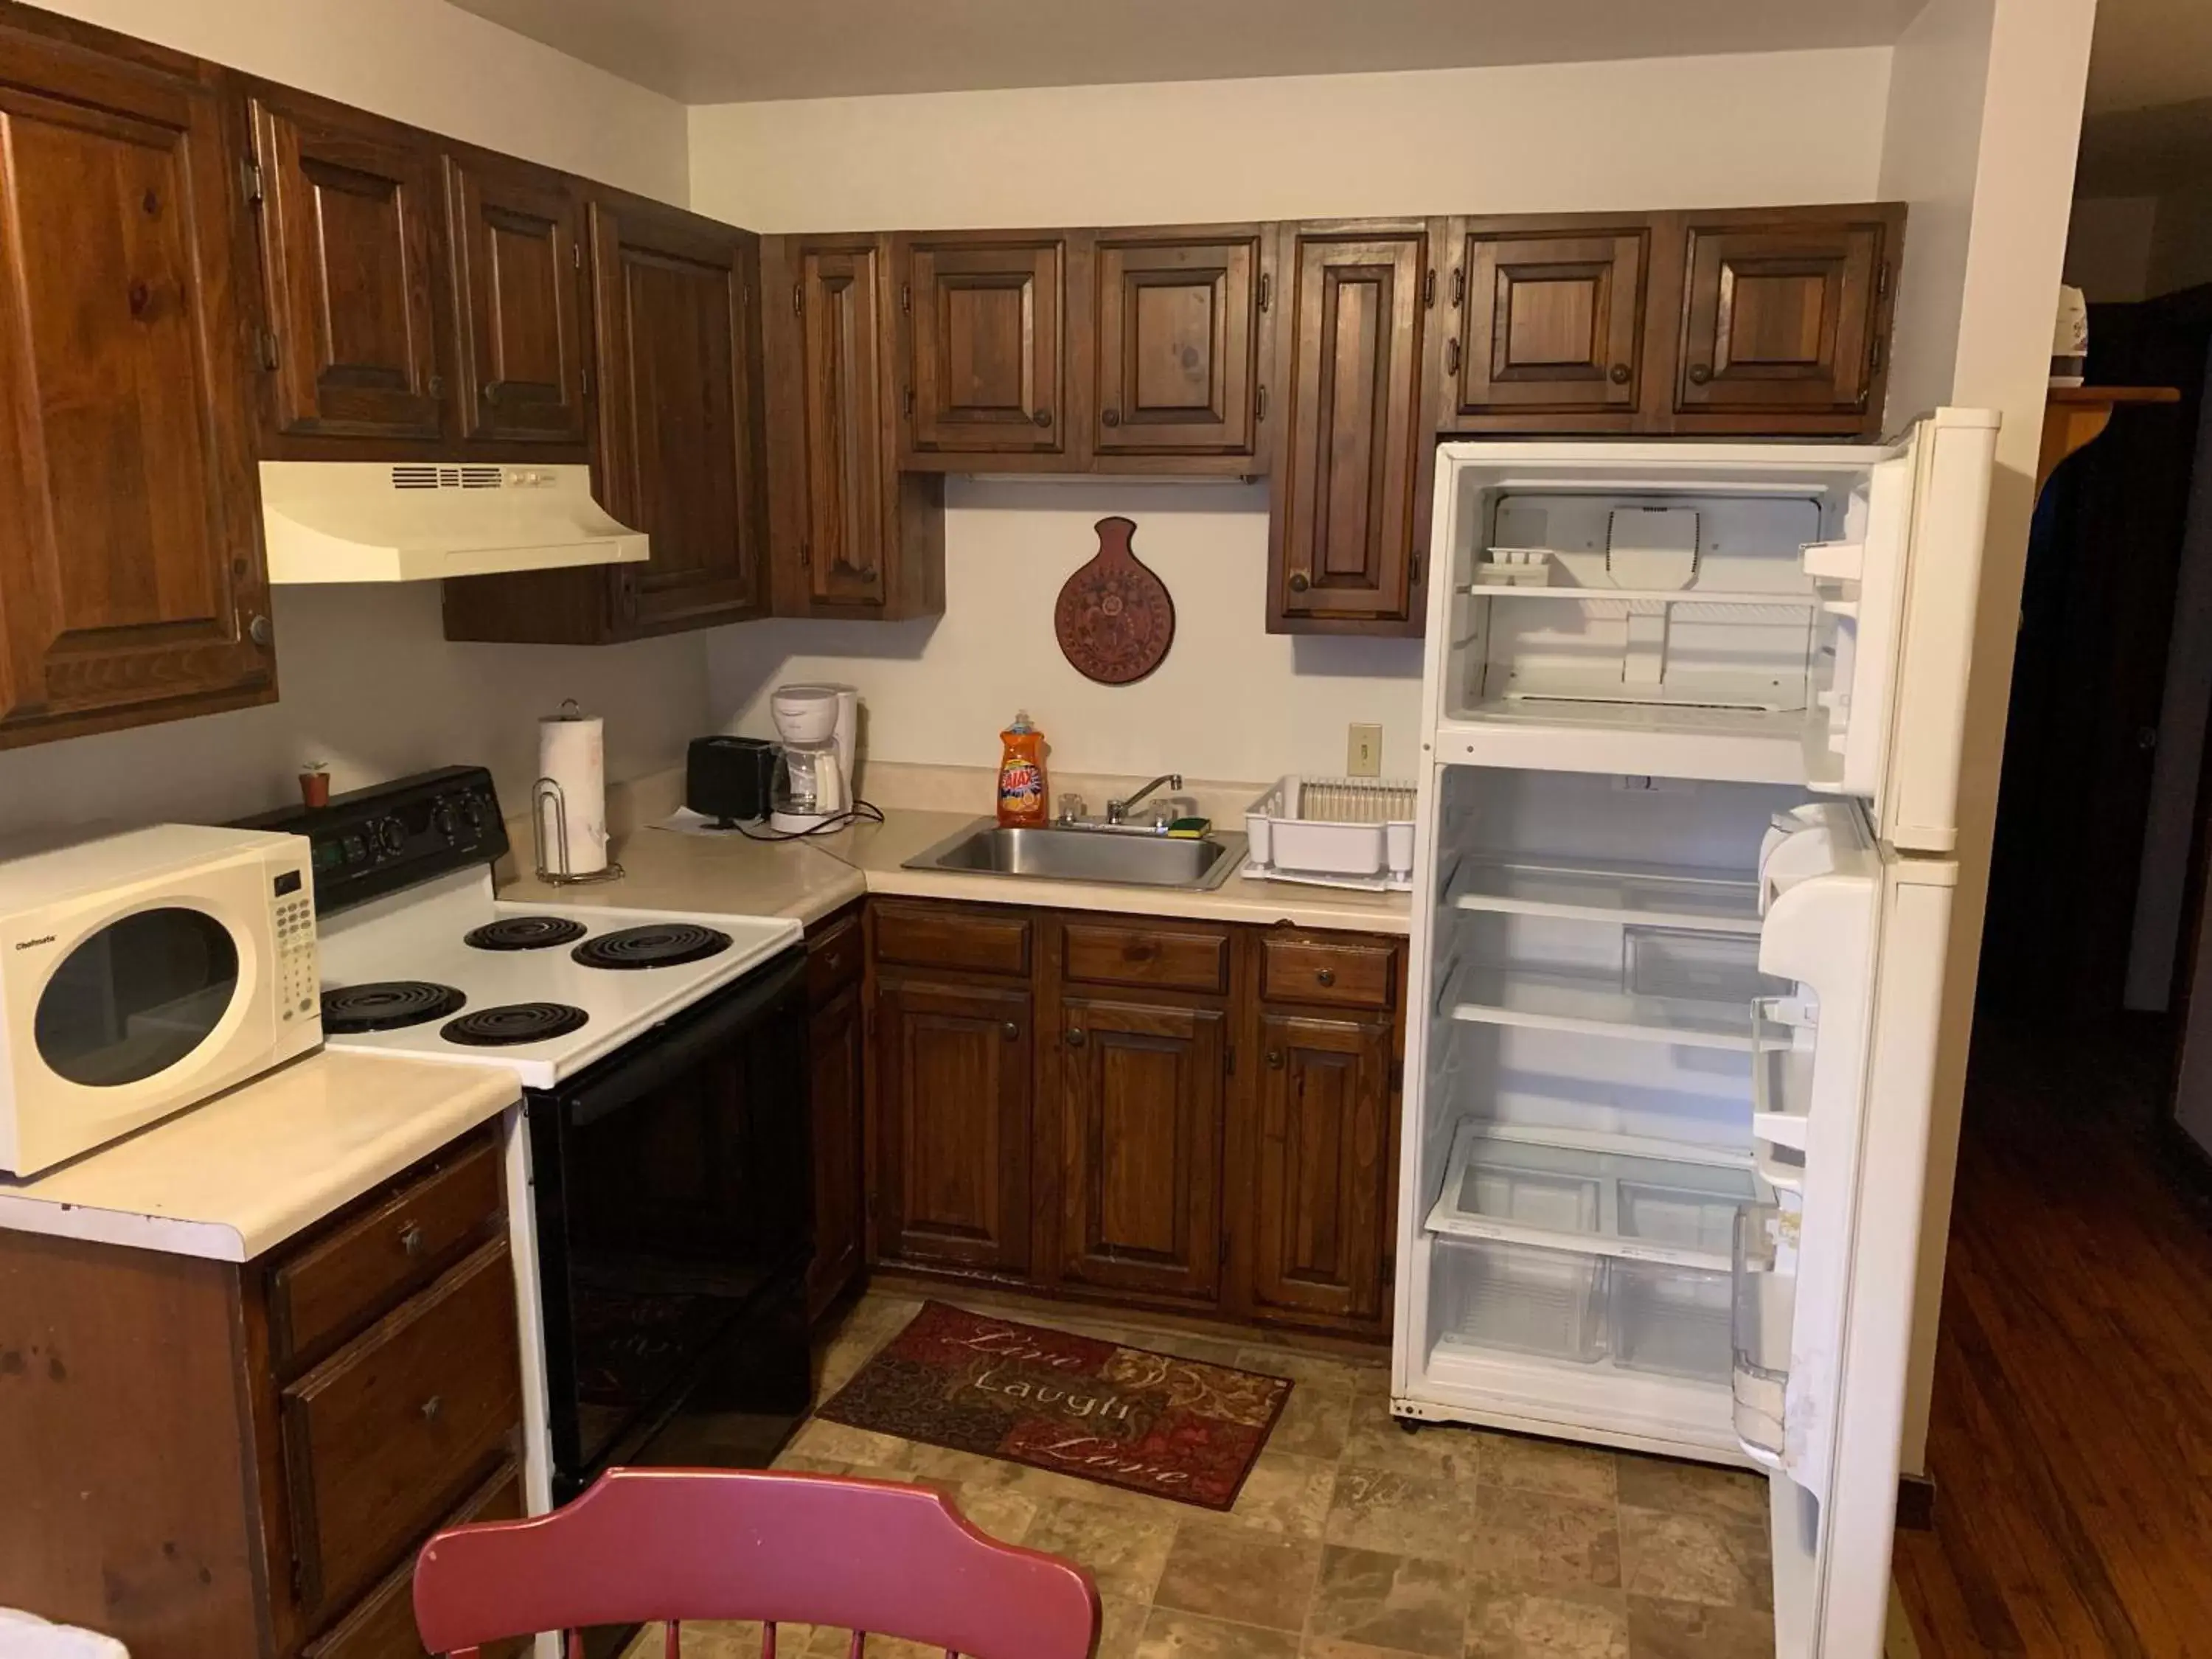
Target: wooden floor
(2072, 1437)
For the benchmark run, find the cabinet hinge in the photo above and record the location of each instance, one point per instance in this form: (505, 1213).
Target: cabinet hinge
(1229, 1060)
(797, 298)
(249, 173)
(1428, 290)
(1225, 1250)
(1266, 290)
(1459, 286)
(1881, 281)
(584, 377)
(1259, 407)
(265, 341)
(906, 297)
(1878, 345)
(806, 556)
(909, 403)
(576, 255)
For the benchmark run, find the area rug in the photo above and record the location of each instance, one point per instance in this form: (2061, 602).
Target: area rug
(1124, 1417)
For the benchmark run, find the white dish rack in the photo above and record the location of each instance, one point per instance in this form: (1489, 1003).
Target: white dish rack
(1333, 832)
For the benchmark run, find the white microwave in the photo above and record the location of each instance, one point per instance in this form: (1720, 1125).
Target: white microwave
(141, 973)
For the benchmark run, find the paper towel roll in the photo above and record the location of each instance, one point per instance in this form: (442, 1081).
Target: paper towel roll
(572, 752)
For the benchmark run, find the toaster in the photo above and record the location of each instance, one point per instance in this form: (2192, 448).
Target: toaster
(729, 778)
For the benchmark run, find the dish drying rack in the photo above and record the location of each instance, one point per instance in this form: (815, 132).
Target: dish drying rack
(1333, 832)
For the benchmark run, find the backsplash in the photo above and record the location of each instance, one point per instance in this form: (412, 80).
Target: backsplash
(1231, 701)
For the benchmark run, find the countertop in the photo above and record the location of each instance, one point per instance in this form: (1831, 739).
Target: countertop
(240, 1174)
(730, 875)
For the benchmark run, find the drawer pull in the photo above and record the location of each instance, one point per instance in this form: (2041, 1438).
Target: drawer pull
(410, 1239)
(1620, 374)
(433, 1408)
(1075, 1039)
(1010, 1030)
(1701, 372)
(1326, 976)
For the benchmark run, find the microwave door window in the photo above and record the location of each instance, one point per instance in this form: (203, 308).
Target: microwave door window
(136, 997)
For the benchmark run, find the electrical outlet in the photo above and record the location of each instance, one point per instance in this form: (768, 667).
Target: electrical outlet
(1363, 753)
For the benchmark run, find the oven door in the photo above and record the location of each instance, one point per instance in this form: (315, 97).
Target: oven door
(675, 1216)
(121, 1008)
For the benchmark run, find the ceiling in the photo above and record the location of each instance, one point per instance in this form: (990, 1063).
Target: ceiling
(707, 51)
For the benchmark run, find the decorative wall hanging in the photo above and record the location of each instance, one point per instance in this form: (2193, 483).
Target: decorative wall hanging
(1114, 620)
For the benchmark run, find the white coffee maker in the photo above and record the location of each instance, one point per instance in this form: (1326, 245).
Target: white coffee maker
(819, 725)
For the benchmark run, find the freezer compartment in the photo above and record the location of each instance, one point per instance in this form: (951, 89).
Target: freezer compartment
(1533, 1186)
(1490, 1294)
(1671, 1320)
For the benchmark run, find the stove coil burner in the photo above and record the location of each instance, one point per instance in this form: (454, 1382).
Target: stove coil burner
(513, 1023)
(386, 1006)
(656, 944)
(524, 933)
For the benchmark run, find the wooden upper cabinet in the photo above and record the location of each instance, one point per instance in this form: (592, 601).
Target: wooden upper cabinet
(1550, 326)
(353, 271)
(983, 319)
(1172, 348)
(1142, 1093)
(675, 326)
(1352, 457)
(518, 248)
(1784, 318)
(852, 536)
(132, 584)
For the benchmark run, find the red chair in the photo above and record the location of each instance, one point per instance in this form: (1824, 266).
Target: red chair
(672, 1545)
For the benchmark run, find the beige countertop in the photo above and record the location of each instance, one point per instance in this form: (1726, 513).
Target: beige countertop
(730, 875)
(240, 1174)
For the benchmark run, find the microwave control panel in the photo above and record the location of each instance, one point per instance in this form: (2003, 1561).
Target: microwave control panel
(292, 911)
(369, 842)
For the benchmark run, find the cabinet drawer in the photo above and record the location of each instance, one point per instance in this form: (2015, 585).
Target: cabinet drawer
(370, 1262)
(833, 959)
(923, 936)
(381, 1625)
(1335, 973)
(1101, 953)
(382, 1437)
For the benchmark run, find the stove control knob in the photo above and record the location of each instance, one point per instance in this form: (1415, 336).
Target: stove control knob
(444, 821)
(391, 835)
(472, 809)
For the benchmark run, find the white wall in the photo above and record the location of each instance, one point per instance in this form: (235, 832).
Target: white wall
(367, 679)
(1985, 116)
(1666, 132)
(1232, 701)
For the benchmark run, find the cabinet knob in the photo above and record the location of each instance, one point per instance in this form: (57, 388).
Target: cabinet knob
(1701, 372)
(1010, 1030)
(259, 631)
(491, 391)
(1618, 374)
(437, 387)
(410, 1239)
(1042, 417)
(433, 1408)
(1326, 976)
(1274, 1060)
(1109, 417)
(1077, 1039)
(1300, 581)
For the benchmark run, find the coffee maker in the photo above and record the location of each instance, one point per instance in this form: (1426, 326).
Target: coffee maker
(819, 725)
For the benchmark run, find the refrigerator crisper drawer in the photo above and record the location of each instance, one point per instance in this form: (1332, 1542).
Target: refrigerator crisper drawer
(1671, 1320)
(1495, 1295)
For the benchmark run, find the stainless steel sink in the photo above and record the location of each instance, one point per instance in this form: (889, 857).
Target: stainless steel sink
(1118, 858)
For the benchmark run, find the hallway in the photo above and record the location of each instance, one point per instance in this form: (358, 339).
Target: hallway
(2072, 1438)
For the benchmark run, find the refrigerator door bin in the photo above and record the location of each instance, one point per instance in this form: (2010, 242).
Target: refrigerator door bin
(1759, 1322)
(1671, 1320)
(1490, 1294)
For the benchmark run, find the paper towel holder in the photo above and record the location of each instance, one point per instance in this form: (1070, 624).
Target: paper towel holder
(549, 790)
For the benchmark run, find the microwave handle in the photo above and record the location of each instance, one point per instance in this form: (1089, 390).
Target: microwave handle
(670, 1050)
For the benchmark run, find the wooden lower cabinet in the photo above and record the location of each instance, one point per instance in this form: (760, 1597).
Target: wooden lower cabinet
(952, 1087)
(1321, 1222)
(1142, 1089)
(1205, 1120)
(192, 1475)
(837, 1040)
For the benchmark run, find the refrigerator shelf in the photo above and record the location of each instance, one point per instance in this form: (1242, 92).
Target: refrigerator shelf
(1519, 1188)
(1641, 739)
(1593, 1007)
(1650, 894)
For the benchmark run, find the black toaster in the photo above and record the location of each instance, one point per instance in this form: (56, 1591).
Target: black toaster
(729, 778)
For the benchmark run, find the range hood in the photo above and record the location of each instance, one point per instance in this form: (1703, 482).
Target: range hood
(358, 521)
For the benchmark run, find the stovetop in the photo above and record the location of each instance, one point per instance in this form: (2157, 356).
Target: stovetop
(523, 979)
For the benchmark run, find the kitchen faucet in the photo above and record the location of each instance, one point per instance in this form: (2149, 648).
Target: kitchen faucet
(1117, 812)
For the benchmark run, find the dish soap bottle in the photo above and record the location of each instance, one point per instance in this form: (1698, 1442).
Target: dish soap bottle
(1021, 777)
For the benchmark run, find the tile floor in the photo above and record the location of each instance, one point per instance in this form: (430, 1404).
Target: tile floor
(1352, 1540)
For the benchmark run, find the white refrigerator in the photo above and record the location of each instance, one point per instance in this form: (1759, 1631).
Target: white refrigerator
(1692, 722)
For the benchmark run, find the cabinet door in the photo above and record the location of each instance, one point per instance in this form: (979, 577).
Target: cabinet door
(984, 324)
(952, 1128)
(352, 254)
(1550, 323)
(1174, 346)
(1783, 317)
(1320, 1207)
(676, 325)
(132, 585)
(518, 251)
(836, 1038)
(1352, 487)
(837, 383)
(1141, 1095)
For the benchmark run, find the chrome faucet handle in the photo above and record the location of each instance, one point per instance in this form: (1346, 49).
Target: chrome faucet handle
(1072, 807)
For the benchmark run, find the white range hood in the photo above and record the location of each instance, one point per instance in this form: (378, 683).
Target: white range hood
(358, 521)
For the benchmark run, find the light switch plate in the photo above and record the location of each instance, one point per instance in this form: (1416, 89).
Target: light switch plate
(1363, 752)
